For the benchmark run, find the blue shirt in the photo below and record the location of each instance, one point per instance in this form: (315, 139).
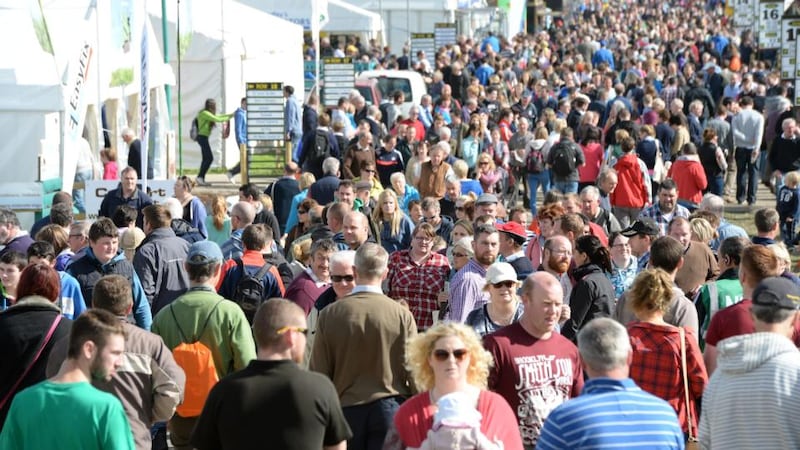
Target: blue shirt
(612, 414)
(240, 123)
(654, 212)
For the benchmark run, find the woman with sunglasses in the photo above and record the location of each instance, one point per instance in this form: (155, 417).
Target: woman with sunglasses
(593, 295)
(449, 360)
(487, 173)
(504, 308)
(194, 211)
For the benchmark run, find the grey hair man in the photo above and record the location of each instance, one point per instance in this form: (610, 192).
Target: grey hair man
(609, 399)
(757, 372)
(716, 205)
(372, 381)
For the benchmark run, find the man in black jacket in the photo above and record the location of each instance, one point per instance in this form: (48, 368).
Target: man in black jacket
(282, 191)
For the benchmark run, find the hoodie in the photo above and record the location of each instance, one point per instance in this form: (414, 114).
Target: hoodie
(690, 177)
(751, 400)
(632, 187)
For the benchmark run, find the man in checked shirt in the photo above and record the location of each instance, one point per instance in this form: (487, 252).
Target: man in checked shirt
(418, 274)
(466, 287)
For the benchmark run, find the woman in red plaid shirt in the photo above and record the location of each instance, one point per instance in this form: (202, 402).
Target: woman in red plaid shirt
(418, 274)
(656, 365)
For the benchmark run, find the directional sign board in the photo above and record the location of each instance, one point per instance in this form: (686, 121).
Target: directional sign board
(769, 24)
(264, 112)
(444, 34)
(425, 42)
(789, 29)
(339, 79)
(744, 12)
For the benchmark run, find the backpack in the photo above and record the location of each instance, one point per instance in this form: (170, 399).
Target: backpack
(535, 161)
(197, 362)
(563, 159)
(319, 151)
(249, 293)
(194, 131)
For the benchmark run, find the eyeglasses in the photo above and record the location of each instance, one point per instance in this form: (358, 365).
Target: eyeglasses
(302, 211)
(459, 208)
(340, 278)
(444, 355)
(283, 330)
(508, 283)
(558, 252)
(483, 163)
(423, 238)
(459, 255)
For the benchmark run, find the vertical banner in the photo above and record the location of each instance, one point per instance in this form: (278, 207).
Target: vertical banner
(76, 85)
(144, 106)
(789, 29)
(769, 24)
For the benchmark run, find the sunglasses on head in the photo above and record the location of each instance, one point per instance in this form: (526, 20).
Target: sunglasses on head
(507, 283)
(444, 355)
(340, 278)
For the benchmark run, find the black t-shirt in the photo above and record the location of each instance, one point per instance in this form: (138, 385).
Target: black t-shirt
(271, 404)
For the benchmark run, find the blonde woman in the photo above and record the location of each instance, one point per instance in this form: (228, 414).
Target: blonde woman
(487, 173)
(702, 231)
(218, 224)
(449, 361)
(504, 308)
(394, 226)
(656, 365)
(194, 211)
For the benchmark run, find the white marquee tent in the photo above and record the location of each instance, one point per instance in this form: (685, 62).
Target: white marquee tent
(226, 44)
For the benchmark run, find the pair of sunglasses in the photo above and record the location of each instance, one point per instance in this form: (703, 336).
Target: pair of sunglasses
(444, 355)
(508, 284)
(340, 278)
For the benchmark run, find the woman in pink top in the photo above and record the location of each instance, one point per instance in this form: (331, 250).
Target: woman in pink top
(689, 176)
(593, 153)
(449, 359)
(487, 173)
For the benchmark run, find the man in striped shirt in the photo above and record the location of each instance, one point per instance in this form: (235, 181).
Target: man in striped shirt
(611, 412)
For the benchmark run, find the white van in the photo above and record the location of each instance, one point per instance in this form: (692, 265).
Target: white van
(406, 81)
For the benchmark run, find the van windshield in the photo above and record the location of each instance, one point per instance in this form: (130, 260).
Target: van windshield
(366, 92)
(387, 86)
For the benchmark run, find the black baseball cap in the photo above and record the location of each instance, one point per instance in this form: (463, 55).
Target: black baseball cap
(642, 226)
(777, 292)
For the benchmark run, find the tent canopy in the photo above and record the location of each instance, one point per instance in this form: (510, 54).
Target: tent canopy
(342, 16)
(225, 45)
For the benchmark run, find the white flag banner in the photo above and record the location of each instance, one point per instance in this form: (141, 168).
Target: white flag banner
(322, 13)
(144, 106)
(78, 78)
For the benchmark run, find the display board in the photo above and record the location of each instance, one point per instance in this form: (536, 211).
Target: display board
(266, 129)
(769, 24)
(444, 34)
(425, 42)
(339, 78)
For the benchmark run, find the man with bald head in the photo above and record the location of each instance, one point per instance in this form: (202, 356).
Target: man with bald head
(242, 215)
(355, 229)
(536, 369)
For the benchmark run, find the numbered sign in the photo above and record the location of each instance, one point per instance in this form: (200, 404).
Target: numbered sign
(789, 29)
(797, 92)
(339, 75)
(444, 34)
(425, 42)
(264, 112)
(744, 12)
(769, 24)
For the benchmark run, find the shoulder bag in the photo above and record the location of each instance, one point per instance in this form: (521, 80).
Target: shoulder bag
(47, 338)
(691, 439)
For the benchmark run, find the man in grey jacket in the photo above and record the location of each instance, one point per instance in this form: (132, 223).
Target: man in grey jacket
(149, 382)
(758, 378)
(159, 259)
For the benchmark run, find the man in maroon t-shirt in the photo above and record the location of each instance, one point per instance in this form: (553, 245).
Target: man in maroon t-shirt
(758, 263)
(536, 369)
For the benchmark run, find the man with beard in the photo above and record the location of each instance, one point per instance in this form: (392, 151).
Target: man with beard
(556, 258)
(466, 287)
(96, 348)
(536, 369)
(666, 208)
(256, 402)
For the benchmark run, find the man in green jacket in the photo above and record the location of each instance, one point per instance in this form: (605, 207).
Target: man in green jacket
(201, 315)
(726, 290)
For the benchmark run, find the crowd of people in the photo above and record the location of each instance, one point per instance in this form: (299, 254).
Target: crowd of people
(404, 284)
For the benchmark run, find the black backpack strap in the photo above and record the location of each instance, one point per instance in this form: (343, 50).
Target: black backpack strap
(263, 270)
(208, 319)
(183, 336)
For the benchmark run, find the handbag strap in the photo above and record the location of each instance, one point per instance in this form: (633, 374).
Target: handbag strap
(47, 337)
(685, 376)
